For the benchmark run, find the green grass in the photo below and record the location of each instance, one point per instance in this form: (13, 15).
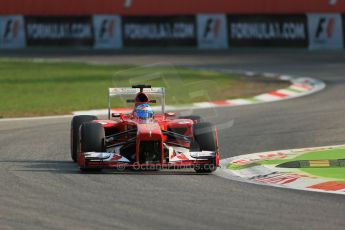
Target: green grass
(336, 173)
(29, 87)
(333, 154)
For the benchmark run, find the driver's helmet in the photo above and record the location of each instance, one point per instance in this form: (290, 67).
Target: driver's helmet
(143, 112)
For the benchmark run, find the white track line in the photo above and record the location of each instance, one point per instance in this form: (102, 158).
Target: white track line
(34, 118)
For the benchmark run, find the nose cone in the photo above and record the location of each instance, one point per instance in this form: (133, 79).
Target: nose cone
(150, 131)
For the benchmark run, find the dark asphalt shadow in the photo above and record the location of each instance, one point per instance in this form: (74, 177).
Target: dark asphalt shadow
(53, 166)
(68, 167)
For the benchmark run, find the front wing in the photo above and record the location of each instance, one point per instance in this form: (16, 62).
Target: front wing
(179, 158)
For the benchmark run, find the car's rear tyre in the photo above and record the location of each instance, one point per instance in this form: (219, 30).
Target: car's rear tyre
(92, 139)
(195, 118)
(75, 125)
(205, 137)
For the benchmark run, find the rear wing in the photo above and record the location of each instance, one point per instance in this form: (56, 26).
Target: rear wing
(118, 92)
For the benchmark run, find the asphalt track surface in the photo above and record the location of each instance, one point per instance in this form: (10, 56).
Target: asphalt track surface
(42, 189)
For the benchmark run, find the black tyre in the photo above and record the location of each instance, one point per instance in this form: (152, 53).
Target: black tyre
(75, 125)
(205, 137)
(195, 118)
(92, 137)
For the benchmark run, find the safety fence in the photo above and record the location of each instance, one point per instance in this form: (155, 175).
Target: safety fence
(204, 31)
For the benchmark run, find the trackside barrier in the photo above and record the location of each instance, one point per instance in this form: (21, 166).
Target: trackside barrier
(204, 31)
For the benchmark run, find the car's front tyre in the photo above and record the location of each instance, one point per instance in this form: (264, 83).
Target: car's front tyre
(205, 137)
(92, 139)
(76, 122)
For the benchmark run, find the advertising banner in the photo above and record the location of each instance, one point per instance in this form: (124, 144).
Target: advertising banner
(107, 31)
(212, 31)
(12, 32)
(325, 31)
(59, 31)
(159, 31)
(268, 30)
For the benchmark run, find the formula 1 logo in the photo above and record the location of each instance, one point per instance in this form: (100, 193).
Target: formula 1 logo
(212, 32)
(11, 29)
(107, 29)
(325, 28)
(325, 31)
(12, 32)
(212, 28)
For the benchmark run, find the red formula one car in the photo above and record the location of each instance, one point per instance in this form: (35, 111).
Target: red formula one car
(142, 139)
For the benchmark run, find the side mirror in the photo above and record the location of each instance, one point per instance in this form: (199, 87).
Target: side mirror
(115, 115)
(170, 114)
